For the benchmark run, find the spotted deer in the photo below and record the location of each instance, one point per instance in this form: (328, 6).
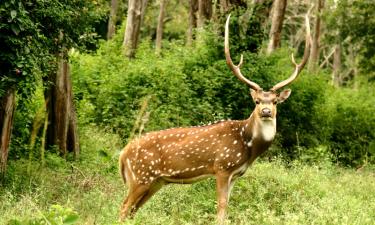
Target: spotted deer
(223, 150)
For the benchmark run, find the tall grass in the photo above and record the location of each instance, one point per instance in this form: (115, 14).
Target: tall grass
(269, 192)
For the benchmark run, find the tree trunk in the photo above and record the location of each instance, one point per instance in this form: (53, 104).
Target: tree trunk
(112, 19)
(278, 12)
(136, 11)
(204, 12)
(262, 9)
(7, 108)
(193, 7)
(336, 79)
(315, 46)
(159, 30)
(224, 6)
(62, 127)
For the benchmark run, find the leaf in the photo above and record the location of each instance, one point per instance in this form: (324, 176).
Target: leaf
(14, 222)
(71, 219)
(15, 28)
(103, 153)
(13, 14)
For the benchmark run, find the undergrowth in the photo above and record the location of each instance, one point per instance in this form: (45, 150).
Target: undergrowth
(90, 191)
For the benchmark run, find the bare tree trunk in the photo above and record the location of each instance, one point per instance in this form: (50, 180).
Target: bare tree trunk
(315, 46)
(62, 127)
(278, 12)
(224, 6)
(7, 108)
(73, 137)
(336, 78)
(112, 19)
(136, 11)
(193, 7)
(159, 30)
(204, 12)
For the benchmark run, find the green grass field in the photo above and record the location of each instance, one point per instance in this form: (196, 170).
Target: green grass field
(90, 192)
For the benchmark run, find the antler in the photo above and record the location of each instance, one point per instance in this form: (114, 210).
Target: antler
(306, 54)
(236, 69)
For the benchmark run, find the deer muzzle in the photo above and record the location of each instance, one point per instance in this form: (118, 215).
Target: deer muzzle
(266, 113)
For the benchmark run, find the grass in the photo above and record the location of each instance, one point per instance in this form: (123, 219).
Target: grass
(90, 191)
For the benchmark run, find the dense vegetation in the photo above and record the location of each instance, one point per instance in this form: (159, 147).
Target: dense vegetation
(319, 169)
(90, 192)
(185, 87)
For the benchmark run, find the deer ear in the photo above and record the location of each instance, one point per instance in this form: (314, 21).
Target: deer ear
(283, 95)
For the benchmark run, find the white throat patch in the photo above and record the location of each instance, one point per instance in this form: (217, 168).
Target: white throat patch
(266, 129)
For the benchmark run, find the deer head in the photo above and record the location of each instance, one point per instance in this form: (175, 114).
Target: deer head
(266, 101)
(223, 150)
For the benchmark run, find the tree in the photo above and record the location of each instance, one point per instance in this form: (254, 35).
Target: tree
(71, 25)
(278, 12)
(62, 128)
(159, 30)
(204, 12)
(193, 7)
(315, 47)
(112, 19)
(352, 28)
(336, 67)
(34, 34)
(136, 11)
(20, 50)
(7, 107)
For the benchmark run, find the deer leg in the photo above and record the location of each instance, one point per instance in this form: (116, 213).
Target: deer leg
(152, 190)
(223, 183)
(134, 195)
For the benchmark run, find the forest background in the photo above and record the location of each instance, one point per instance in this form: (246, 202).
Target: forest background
(80, 78)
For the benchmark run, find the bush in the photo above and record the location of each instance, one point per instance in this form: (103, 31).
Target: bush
(352, 125)
(186, 87)
(191, 86)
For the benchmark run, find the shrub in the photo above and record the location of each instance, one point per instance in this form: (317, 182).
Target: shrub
(352, 123)
(186, 87)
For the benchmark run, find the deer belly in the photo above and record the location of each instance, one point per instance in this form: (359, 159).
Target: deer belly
(186, 180)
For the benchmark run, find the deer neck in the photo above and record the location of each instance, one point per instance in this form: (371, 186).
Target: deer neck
(257, 130)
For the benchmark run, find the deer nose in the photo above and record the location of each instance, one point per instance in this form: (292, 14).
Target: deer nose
(266, 112)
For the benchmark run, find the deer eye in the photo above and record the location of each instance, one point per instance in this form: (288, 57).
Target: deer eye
(257, 101)
(275, 102)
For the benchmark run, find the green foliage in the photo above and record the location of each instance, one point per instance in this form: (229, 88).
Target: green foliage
(33, 32)
(186, 87)
(21, 45)
(23, 120)
(178, 84)
(301, 119)
(90, 191)
(352, 136)
(353, 23)
(269, 193)
(56, 215)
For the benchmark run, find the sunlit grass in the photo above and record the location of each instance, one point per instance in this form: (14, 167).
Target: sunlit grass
(269, 192)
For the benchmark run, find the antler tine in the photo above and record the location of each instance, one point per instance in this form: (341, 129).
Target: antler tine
(306, 54)
(236, 69)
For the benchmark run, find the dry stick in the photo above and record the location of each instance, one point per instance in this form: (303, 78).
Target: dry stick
(140, 117)
(326, 58)
(42, 146)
